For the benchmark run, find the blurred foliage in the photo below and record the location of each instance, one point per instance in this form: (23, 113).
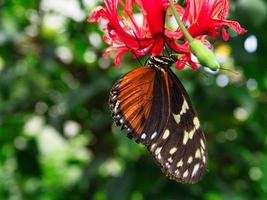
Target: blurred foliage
(57, 140)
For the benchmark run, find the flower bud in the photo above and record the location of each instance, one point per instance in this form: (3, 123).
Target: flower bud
(205, 56)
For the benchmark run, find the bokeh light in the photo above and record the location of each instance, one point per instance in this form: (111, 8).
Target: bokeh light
(251, 44)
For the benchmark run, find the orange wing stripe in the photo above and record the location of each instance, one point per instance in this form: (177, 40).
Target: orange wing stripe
(136, 91)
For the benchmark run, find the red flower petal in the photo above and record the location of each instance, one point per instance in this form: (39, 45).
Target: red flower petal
(154, 12)
(225, 35)
(207, 16)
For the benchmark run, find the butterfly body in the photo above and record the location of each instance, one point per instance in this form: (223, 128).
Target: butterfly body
(152, 104)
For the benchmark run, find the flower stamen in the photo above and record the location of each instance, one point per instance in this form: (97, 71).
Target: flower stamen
(131, 17)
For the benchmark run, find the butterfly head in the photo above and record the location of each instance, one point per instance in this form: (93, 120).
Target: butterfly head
(162, 61)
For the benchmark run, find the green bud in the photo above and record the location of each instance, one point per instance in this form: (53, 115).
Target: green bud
(205, 56)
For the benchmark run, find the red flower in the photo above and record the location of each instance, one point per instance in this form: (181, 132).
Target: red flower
(203, 18)
(125, 33)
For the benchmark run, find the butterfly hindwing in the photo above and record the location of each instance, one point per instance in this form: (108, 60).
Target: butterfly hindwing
(181, 148)
(152, 104)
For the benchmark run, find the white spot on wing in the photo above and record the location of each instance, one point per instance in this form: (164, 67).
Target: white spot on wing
(191, 134)
(143, 136)
(180, 163)
(166, 134)
(170, 159)
(196, 122)
(154, 135)
(116, 109)
(186, 137)
(114, 97)
(173, 150)
(167, 165)
(190, 159)
(202, 144)
(185, 173)
(177, 118)
(196, 167)
(204, 159)
(152, 146)
(202, 151)
(158, 150)
(197, 155)
(184, 107)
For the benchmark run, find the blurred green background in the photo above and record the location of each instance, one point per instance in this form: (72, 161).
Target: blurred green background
(57, 140)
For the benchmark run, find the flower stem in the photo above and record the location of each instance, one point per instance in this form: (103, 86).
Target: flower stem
(180, 23)
(205, 56)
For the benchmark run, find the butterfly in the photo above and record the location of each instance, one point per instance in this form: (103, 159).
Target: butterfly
(152, 104)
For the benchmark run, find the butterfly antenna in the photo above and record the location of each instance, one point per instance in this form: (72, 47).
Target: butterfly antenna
(138, 59)
(221, 68)
(230, 70)
(201, 70)
(140, 45)
(134, 52)
(167, 49)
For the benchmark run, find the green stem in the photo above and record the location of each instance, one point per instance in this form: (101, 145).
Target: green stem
(180, 23)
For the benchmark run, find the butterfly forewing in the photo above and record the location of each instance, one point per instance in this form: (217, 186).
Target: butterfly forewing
(131, 100)
(151, 103)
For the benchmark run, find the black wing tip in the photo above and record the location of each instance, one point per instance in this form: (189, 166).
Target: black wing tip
(179, 179)
(170, 173)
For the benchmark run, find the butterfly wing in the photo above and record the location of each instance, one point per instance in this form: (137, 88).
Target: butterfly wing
(181, 148)
(156, 110)
(131, 99)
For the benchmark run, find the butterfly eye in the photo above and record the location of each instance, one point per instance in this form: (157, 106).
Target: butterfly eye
(152, 104)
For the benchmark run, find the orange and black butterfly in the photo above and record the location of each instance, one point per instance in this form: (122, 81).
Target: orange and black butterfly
(152, 104)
